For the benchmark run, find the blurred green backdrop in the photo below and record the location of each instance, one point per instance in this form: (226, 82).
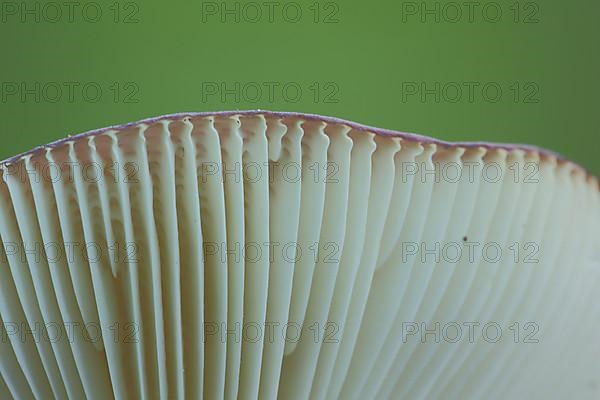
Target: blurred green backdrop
(504, 71)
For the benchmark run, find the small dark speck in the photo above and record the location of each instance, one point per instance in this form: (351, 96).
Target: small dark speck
(464, 238)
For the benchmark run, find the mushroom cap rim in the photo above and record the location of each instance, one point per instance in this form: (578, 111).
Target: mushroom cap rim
(413, 137)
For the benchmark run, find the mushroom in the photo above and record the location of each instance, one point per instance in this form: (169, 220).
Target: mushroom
(251, 254)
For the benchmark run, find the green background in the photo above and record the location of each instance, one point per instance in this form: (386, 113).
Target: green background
(360, 55)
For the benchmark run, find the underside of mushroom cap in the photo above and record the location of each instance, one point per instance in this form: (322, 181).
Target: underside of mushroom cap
(247, 254)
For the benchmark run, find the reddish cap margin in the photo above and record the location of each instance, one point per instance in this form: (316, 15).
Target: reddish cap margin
(309, 117)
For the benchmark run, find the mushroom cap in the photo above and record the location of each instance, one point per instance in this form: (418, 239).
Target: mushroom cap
(274, 254)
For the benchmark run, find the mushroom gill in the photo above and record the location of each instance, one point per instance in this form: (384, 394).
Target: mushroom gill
(262, 255)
